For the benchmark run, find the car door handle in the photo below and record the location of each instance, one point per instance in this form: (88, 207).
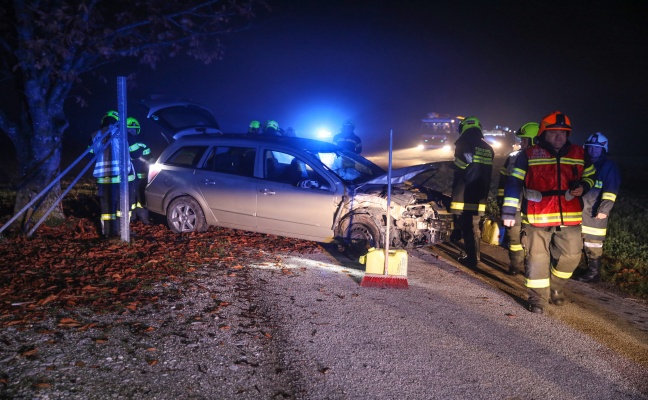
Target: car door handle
(209, 181)
(267, 191)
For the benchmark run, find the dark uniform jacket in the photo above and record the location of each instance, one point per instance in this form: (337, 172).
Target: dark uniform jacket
(505, 172)
(139, 153)
(349, 141)
(107, 168)
(600, 199)
(473, 168)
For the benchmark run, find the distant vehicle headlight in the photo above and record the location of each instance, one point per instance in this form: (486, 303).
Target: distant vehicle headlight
(447, 147)
(420, 147)
(497, 144)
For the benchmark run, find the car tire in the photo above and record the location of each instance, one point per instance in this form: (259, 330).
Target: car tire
(184, 215)
(360, 234)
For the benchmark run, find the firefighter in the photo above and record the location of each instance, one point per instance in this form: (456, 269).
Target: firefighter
(140, 155)
(254, 128)
(527, 134)
(473, 167)
(107, 172)
(558, 172)
(271, 128)
(347, 139)
(597, 204)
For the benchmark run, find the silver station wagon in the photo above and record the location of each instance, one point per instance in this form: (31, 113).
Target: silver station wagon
(294, 187)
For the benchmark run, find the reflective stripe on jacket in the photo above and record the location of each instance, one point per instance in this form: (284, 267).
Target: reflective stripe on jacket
(552, 173)
(350, 142)
(107, 169)
(600, 199)
(505, 172)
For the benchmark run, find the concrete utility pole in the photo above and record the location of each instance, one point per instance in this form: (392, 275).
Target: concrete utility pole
(124, 161)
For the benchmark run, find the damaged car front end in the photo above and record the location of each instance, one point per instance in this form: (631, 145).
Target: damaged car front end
(419, 214)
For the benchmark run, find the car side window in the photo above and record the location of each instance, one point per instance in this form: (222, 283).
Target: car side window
(187, 156)
(231, 160)
(285, 168)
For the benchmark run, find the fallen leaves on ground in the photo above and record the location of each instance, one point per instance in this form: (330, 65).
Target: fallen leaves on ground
(69, 266)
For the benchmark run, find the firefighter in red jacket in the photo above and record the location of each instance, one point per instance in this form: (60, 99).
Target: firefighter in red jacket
(527, 134)
(473, 168)
(597, 204)
(553, 174)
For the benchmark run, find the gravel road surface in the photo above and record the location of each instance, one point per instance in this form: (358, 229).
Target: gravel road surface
(449, 336)
(301, 327)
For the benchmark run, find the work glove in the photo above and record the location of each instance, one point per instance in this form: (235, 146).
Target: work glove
(533, 196)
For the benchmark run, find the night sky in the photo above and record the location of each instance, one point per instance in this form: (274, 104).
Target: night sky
(385, 64)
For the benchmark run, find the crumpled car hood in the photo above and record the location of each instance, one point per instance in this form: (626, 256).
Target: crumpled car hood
(403, 193)
(401, 175)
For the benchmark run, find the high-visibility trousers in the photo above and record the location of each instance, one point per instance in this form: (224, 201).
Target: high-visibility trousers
(553, 253)
(593, 249)
(110, 210)
(513, 237)
(109, 199)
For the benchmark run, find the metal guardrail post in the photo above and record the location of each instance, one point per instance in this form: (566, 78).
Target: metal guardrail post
(124, 161)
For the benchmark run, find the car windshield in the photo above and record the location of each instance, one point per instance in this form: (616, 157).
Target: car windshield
(351, 168)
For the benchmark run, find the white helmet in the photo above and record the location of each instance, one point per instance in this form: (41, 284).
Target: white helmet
(597, 140)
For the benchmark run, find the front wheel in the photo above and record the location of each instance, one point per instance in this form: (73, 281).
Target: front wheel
(185, 215)
(360, 234)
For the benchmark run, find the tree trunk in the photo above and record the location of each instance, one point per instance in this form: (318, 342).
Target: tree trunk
(39, 164)
(38, 148)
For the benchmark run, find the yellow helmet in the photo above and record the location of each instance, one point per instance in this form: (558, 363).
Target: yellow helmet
(467, 123)
(106, 119)
(132, 123)
(529, 131)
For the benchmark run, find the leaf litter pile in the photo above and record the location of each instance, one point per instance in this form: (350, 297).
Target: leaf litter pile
(69, 266)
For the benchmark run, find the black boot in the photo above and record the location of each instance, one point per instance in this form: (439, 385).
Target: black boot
(557, 297)
(593, 273)
(468, 261)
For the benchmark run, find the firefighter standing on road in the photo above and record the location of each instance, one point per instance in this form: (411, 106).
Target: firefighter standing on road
(107, 172)
(140, 155)
(473, 167)
(347, 139)
(527, 134)
(559, 172)
(597, 204)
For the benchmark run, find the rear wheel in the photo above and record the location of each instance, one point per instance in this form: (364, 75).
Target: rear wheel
(185, 215)
(361, 233)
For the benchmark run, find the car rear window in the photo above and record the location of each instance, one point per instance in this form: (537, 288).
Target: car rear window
(187, 156)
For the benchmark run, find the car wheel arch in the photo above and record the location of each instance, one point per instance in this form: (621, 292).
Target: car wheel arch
(171, 196)
(185, 214)
(358, 231)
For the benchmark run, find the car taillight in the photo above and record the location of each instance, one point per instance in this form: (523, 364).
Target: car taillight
(154, 169)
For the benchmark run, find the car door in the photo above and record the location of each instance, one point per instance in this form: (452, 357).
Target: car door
(228, 186)
(285, 208)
